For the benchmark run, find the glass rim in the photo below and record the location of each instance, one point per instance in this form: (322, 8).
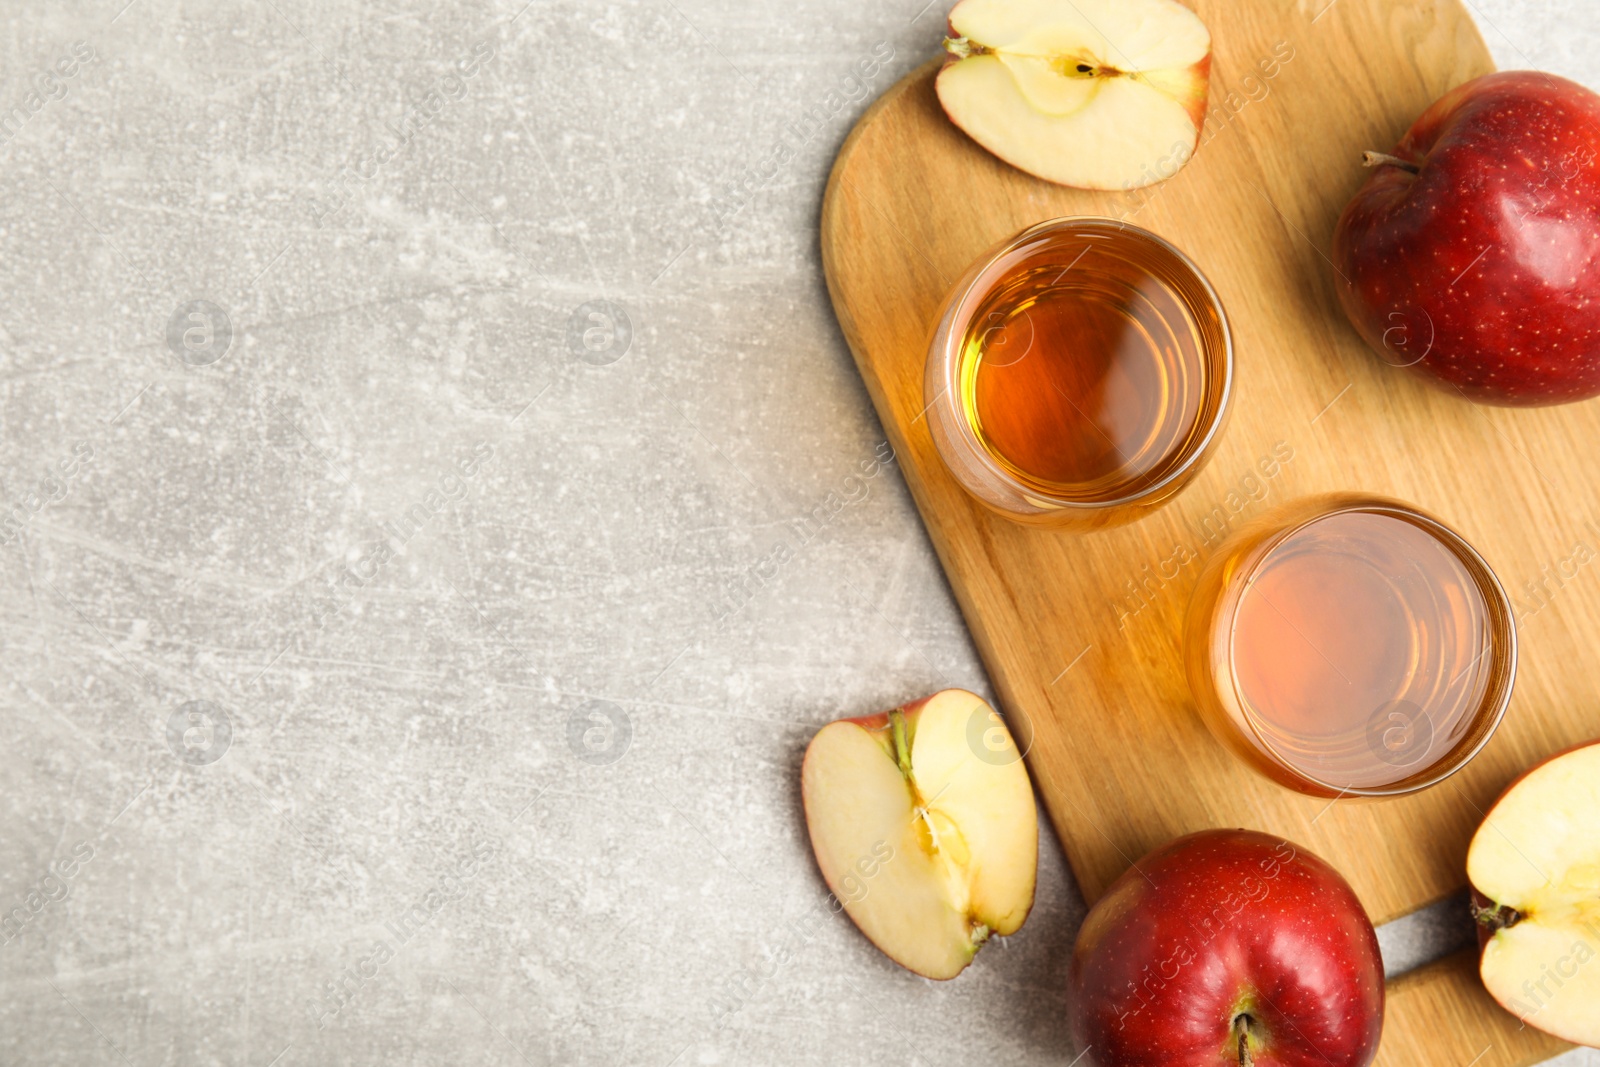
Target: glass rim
(962, 300)
(1502, 617)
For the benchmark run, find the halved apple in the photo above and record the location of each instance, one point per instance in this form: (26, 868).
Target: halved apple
(1534, 866)
(1098, 94)
(924, 825)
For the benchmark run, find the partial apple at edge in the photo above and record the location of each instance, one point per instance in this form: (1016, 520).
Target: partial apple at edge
(1534, 866)
(1095, 94)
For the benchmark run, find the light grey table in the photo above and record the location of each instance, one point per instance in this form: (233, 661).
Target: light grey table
(283, 282)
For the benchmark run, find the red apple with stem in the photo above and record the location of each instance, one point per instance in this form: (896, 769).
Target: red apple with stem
(1472, 253)
(1227, 947)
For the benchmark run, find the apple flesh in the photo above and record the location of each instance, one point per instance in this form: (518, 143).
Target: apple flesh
(1223, 947)
(1097, 94)
(1534, 866)
(1472, 253)
(923, 822)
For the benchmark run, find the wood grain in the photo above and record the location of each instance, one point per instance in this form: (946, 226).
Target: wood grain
(1079, 631)
(1441, 1015)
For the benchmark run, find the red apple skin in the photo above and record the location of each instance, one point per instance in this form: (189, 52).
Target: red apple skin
(1482, 270)
(1216, 924)
(880, 720)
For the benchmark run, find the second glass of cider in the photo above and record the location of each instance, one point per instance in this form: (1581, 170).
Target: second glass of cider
(1350, 645)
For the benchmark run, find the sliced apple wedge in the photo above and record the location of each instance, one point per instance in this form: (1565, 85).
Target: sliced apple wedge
(1534, 866)
(1097, 94)
(924, 825)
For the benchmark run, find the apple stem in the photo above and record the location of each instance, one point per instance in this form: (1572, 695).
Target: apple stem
(1384, 159)
(902, 747)
(1241, 1026)
(1496, 918)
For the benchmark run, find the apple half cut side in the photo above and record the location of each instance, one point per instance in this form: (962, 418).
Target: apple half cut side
(923, 822)
(1096, 94)
(1534, 866)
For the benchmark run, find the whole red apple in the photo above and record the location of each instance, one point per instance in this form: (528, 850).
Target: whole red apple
(1472, 253)
(1227, 947)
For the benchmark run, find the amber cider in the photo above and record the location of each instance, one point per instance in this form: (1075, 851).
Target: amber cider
(1085, 371)
(1351, 646)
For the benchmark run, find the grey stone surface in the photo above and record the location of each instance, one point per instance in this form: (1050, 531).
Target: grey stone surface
(262, 315)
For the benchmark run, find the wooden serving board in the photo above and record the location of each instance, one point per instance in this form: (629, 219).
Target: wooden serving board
(1080, 631)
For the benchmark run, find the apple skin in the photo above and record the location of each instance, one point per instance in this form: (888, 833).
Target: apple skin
(1222, 924)
(1482, 270)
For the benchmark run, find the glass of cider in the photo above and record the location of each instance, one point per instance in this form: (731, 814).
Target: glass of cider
(1348, 645)
(1078, 374)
